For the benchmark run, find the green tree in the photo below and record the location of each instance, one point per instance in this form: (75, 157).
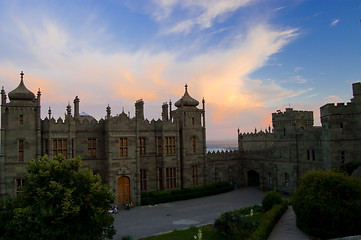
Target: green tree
(60, 200)
(328, 204)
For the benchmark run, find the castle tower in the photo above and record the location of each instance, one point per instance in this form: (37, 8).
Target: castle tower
(21, 135)
(192, 140)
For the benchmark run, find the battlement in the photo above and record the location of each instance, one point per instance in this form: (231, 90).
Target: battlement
(291, 114)
(336, 109)
(223, 155)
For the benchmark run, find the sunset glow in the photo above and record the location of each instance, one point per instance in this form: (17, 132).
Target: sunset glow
(247, 58)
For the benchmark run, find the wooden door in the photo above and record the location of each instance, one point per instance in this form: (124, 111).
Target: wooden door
(123, 190)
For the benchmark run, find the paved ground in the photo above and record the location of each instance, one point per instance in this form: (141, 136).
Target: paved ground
(152, 220)
(286, 228)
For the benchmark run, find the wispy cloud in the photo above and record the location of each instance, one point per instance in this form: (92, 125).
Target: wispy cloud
(201, 13)
(335, 22)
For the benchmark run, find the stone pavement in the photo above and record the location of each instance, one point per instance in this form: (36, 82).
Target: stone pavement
(153, 220)
(286, 228)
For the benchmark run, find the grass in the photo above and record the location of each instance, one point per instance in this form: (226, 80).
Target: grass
(207, 233)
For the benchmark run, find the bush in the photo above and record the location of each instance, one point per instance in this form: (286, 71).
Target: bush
(334, 199)
(271, 198)
(239, 224)
(269, 220)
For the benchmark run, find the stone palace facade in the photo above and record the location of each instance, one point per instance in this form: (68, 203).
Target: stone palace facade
(133, 154)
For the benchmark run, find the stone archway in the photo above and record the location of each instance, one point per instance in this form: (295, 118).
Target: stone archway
(253, 178)
(123, 189)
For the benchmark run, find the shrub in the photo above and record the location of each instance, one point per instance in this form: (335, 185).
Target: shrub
(271, 198)
(269, 220)
(334, 199)
(238, 224)
(348, 167)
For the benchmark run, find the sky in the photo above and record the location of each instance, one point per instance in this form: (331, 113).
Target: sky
(246, 58)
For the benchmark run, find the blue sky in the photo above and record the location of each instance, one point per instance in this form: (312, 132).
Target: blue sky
(247, 58)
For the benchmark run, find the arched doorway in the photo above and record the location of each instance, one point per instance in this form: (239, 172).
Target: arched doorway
(123, 190)
(253, 178)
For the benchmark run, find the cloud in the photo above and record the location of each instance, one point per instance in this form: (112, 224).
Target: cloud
(63, 67)
(334, 22)
(201, 13)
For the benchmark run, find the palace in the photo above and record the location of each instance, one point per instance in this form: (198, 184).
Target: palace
(133, 154)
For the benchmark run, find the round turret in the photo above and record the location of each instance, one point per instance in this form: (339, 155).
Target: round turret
(21, 92)
(186, 100)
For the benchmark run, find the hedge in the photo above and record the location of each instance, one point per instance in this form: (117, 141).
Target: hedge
(155, 197)
(269, 220)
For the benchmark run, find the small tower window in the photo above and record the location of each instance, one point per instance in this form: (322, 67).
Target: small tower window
(193, 121)
(313, 155)
(341, 126)
(286, 180)
(342, 157)
(21, 150)
(21, 119)
(284, 131)
(308, 154)
(193, 144)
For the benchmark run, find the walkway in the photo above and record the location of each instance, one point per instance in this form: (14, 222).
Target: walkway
(153, 220)
(286, 228)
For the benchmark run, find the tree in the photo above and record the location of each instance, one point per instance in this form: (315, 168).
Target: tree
(61, 200)
(328, 204)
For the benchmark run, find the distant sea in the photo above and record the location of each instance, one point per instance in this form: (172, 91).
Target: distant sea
(222, 145)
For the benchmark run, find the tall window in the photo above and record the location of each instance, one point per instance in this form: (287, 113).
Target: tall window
(313, 155)
(171, 178)
(46, 147)
(160, 178)
(170, 145)
(141, 145)
(342, 157)
(72, 147)
(21, 150)
(123, 147)
(60, 147)
(286, 180)
(195, 175)
(92, 147)
(143, 179)
(159, 146)
(194, 144)
(19, 182)
(21, 119)
(193, 121)
(269, 178)
(308, 154)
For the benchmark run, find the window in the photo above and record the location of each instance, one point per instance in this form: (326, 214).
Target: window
(195, 175)
(194, 144)
(286, 180)
(92, 147)
(170, 145)
(193, 121)
(341, 126)
(308, 154)
(313, 155)
(171, 178)
(141, 145)
(21, 119)
(123, 147)
(284, 131)
(143, 179)
(160, 178)
(269, 178)
(60, 147)
(46, 147)
(159, 146)
(19, 182)
(342, 157)
(72, 147)
(21, 151)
